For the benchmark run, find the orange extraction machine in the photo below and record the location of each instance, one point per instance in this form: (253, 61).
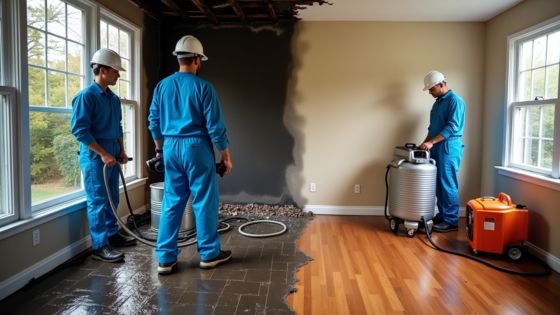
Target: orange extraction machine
(496, 225)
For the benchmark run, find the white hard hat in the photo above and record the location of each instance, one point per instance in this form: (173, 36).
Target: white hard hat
(189, 46)
(108, 58)
(432, 79)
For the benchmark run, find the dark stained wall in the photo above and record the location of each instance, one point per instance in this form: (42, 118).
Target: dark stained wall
(250, 70)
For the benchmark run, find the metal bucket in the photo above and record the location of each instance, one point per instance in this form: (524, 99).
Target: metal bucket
(156, 196)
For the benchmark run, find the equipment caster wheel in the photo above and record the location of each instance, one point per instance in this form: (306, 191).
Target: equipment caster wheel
(411, 233)
(514, 252)
(394, 225)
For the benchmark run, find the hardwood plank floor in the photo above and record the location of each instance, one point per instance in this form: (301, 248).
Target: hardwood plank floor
(360, 267)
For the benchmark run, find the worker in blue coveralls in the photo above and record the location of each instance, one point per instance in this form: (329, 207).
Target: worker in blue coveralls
(444, 139)
(186, 121)
(96, 124)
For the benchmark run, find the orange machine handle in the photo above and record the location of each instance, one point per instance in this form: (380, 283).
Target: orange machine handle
(505, 198)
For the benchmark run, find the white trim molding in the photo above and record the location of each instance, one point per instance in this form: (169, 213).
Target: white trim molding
(552, 261)
(19, 280)
(530, 177)
(354, 210)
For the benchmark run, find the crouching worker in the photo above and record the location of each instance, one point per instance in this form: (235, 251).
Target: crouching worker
(186, 121)
(96, 124)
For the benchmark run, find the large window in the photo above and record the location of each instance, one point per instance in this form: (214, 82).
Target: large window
(44, 62)
(534, 106)
(55, 50)
(119, 36)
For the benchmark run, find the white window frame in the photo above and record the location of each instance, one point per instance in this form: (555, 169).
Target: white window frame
(14, 77)
(509, 167)
(133, 74)
(10, 172)
(89, 33)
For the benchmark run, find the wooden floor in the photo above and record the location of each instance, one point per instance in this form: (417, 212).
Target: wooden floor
(360, 267)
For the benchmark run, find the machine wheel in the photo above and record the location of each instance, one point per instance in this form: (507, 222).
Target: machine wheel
(514, 252)
(411, 233)
(394, 225)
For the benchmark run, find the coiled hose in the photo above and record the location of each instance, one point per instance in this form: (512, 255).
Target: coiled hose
(190, 238)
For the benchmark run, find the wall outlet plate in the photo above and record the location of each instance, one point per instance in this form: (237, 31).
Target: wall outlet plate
(312, 187)
(36, 237)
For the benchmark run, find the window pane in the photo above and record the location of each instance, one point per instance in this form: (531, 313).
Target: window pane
(56, 17)
(113, 38)
(54, 164)
(126, 66)
(533, 119)
(36, 88)
(36, 13)
(532, 152)
(35, 47)
(548, 121)
(5, 209)
(57, 89)
(552, 82)
(123, 89)
(553, 53)
(123, 45)
(547, 154)
(103, 34)
(538, 84)
(74, 86)
(56, 52)
(539, 52)
(75, 58)
(526, 55)
(75, 23)
(525, 80)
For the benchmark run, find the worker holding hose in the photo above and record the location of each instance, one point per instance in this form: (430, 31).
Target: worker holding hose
(186, 121)
(447, 120)
(96, 124)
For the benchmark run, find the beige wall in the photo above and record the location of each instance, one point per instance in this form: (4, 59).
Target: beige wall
(542, 202)
(66, 230)
(356, 93)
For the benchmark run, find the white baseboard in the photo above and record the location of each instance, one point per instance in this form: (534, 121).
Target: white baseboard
(549, 259)
(19, 280)
(354, 210)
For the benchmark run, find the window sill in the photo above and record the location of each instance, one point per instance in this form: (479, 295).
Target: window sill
(530, 177)
(54, 212)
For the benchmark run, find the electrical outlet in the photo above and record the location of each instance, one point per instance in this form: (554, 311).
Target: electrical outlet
(36, 237)
(357, 188)
(312, 187)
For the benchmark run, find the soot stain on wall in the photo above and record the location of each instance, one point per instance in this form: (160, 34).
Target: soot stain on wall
(250, 71)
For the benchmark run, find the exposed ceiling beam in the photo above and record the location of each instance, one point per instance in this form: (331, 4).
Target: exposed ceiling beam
(175, 7)
(272, 12)
(201, 5)
(238, 11)
(146, 7)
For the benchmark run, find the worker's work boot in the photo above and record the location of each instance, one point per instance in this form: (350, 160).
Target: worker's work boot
(223, 257)
(118, 240)
(444, 227)
(107, 254)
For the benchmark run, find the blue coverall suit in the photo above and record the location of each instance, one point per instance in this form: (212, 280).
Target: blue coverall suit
(186, 114)
(447, 118)
(96, 116)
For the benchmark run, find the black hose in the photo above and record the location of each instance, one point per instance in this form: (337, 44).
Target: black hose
(480, 260)
(387, 191)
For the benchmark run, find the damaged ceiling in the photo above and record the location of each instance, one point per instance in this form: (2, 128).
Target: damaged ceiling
(227, 12)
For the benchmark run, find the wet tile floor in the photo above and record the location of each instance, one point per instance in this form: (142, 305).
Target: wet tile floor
(256, 281)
